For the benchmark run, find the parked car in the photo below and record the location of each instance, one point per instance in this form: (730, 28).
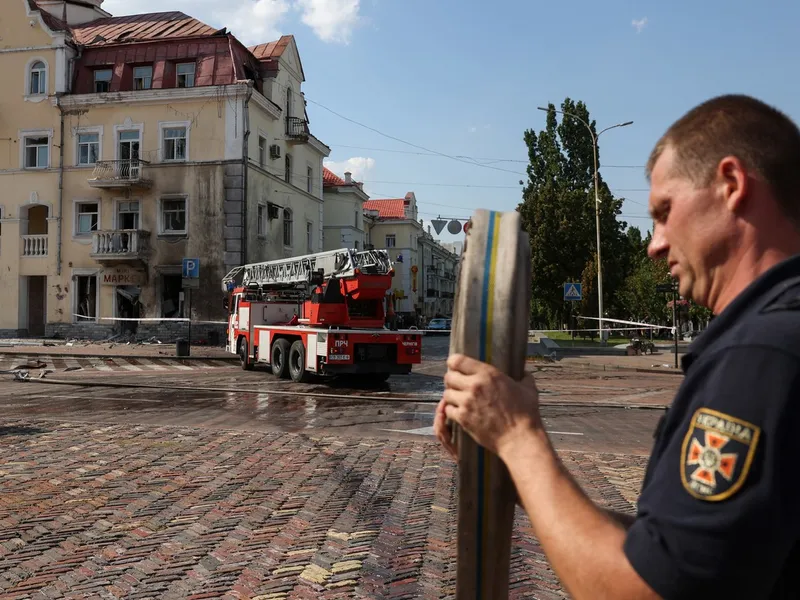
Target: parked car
(439, 326)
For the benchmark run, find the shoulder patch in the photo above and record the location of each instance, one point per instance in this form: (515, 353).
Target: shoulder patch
(717, 454)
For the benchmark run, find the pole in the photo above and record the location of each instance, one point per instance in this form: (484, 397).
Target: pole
(675, 320)
(190, 321)
(596, 209)
(597, 227)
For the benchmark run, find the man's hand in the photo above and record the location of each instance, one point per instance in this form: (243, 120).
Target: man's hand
(494, 409)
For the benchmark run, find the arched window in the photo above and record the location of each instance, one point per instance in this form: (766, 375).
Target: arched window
(287, 227)
(37, 81)
(289, 102)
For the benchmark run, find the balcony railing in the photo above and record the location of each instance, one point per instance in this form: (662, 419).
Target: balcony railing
(119, 173)
(297, 129)
(34, 245)
(121, 244)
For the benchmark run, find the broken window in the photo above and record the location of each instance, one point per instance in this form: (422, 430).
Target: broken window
(102, 81)
(173, 216)
(142, 78)
(87, 217)
(171, 296)
(186, 75)
(175, 143)
(37, 152)
(128, 215)
(86, 297)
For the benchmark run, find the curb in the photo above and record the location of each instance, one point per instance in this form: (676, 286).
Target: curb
(113, 356)
(669, 371)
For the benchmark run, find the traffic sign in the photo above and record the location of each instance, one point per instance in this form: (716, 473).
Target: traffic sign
(573, 291)
(438, 225)
(191, 268)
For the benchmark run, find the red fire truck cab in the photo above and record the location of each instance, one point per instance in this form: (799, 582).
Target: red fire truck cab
(318, 314)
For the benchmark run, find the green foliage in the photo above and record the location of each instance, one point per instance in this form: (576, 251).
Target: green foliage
(638, 295)
(558, 212)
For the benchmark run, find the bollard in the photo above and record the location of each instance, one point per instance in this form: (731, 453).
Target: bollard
(490, 323)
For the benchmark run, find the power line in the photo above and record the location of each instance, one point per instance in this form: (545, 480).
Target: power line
(474, 158)
(391, 137)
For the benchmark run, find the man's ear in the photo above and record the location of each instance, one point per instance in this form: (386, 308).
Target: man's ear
(732, 182)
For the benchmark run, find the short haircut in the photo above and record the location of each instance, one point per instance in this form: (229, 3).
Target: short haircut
(762, 137)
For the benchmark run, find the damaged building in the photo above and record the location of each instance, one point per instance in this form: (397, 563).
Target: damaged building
(136, 142)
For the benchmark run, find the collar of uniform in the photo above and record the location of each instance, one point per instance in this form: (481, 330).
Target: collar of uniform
(749, 300)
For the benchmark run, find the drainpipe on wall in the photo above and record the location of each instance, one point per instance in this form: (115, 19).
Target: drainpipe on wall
(245, 161)
(60, 187)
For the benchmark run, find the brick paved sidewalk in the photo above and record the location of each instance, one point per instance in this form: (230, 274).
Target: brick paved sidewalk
(167, 512)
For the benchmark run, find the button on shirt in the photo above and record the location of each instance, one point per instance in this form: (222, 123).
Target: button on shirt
(719, 511)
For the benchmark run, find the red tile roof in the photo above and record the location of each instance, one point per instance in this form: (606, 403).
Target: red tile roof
(329, 178)
(145, 27)
(388, 209)
(271, 49)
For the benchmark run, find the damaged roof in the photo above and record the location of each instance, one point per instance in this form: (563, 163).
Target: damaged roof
(271, 49)
(137, 28)
(53, 23)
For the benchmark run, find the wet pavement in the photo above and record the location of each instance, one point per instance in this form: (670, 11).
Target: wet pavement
(144, 482)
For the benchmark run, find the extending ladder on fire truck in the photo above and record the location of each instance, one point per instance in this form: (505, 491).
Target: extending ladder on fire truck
(291, 272)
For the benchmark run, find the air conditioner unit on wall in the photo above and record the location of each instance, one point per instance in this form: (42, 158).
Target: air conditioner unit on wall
(274, 151)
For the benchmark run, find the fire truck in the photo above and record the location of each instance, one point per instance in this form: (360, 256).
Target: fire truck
(318, 314)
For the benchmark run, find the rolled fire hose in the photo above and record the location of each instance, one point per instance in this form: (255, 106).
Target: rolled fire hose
(490, 323)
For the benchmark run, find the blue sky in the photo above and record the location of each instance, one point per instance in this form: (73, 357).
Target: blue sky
(464, 78)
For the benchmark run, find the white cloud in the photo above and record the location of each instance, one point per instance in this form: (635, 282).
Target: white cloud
(331, 20)
(359, 166)
(639, 24)
(473, 129)
(257, 21)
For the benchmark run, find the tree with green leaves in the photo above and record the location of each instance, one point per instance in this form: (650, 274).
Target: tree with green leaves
(558, 212)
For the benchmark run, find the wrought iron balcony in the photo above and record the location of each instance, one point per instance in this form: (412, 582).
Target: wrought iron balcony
(297, 129)
(119, 174)
(120, 245)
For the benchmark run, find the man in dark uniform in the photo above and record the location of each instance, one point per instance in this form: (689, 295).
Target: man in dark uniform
(719, 511)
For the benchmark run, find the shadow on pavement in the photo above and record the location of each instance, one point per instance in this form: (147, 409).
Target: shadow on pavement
(21, 430)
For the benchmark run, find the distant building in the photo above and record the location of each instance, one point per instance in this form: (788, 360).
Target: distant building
(343, 221)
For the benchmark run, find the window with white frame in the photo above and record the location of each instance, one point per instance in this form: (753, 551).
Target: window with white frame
(287, 227)
(37, 152)
(37, 79)
(262, 151)
(309, 180)
(88, 148)
(174, 145)
(185, 75)
(128, 215)
(102, 80)
(142, 78)
(391, 241)
(173, 216)
(309, 237)
(261, 224)
(87, 218)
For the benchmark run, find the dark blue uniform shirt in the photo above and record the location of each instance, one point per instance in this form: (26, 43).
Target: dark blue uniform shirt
(719, 511)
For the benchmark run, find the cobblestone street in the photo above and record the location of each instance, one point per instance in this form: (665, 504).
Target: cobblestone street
(146, 480)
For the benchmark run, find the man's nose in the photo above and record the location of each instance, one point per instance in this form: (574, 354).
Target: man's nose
(658, 244)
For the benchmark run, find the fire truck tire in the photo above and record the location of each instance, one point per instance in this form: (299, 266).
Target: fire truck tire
(244, 355)
(279, 359)
(297, 362)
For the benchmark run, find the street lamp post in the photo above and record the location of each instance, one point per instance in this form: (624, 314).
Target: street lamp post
(596, 208)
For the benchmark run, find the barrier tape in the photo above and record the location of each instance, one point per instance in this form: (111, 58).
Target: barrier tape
(148, 319)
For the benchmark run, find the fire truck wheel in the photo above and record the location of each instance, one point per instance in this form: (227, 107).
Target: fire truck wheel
(297, 362)
(244, 355)
(279, 358)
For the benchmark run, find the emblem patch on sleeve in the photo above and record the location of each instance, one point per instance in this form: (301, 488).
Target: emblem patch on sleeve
(717, 453)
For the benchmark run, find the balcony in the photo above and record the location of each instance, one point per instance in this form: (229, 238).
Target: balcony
(114, 174)
(34, 245)
(120, 245)
(297, 129)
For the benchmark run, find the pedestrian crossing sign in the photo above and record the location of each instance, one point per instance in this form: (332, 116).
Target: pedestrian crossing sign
(573, 291)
